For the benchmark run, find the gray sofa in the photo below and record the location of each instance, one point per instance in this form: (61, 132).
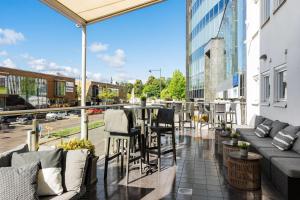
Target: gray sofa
(281, 167)
(5, 161)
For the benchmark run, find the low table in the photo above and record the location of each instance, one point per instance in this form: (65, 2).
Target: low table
(221, 138)
(228, 147)
(244, 173)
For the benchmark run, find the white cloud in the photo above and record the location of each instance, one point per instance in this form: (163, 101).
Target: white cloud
(95, 77)
(8, 63)
(49, 67)
(9, 36)
(98, 47)
(3, 53)
(118, 59)
(123, 77)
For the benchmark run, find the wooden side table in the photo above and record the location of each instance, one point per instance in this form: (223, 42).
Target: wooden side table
(228, 147)
(244, 172)
(221, 139)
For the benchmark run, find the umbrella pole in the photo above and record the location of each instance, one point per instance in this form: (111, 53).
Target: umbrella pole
(84, 130)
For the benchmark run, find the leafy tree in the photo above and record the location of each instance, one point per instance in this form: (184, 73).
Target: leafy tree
(176, 87)
(108, 94)
(165, 94)
(138, 88)
(152, 86)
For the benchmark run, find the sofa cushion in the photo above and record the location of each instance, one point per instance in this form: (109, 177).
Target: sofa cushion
(50, 176)
(289, 166)
(19, 183)
(245, 131)
(258, 120)
(5, 157)
(262, 130)
(276, 127)
(75, 164)
(274, 152)
(65, 196)
(262, 143)
(284, 140)
(296, 146)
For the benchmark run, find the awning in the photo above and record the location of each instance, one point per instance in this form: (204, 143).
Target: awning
(85, 12)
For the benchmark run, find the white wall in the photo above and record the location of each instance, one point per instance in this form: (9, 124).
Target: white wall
(280, 33)
(253, 54)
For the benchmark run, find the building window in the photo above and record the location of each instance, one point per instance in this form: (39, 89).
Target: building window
(266, 88)
(280, 76)
(265, 11)
(277, 4)
(60, 88)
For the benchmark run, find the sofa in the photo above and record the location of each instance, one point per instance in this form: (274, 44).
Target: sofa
(70, 163)
(281, 167)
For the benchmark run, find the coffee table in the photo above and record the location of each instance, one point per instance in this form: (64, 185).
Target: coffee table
(244, 173)
(228, 146)
(220, 139)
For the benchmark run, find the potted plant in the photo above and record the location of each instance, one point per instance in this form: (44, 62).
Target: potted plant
(244, 148)
(204, 118)
(74, 144)
(143, 101)
(223, 125)
(227, 131)
(234, 137)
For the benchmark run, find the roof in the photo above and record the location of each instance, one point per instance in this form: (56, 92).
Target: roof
(84, 12)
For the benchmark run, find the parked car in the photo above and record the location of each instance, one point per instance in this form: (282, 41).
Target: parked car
(74, 112)
(25, 119)
(93, 111)
(53, 116)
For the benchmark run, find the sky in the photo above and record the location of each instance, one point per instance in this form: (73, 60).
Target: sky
(36, 38)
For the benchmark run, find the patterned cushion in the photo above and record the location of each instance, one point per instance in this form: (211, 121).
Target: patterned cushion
(284, 140)
(262, 130)
(19, 183)
(50, 176)
(276, 127)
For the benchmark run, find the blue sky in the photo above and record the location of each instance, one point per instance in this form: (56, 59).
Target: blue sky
(34, 37)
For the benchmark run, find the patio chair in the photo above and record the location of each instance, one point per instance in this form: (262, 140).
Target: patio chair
(118, 125)
(178, 112)
(188, 113)
(232, 114)
(164, 125)
(220, 113)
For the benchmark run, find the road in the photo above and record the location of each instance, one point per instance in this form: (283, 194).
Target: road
(16, 134)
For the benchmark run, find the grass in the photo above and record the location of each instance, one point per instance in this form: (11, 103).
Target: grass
(2, 90)
(74, 130)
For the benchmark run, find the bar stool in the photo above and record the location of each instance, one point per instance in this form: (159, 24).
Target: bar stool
(164, 125)
(118, 125)
(220, 113)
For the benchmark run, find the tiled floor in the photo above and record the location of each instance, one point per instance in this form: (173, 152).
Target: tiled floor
(199, 174)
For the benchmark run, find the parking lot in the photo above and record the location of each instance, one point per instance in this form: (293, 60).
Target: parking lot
(16, 133)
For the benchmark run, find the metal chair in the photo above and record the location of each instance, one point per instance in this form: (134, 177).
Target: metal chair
(220, 113)
(178, 112)
(232, 114)
(118, 125)
(188, 113)
(164, 125)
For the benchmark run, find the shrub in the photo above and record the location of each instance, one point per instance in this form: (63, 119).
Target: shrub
(76, 143)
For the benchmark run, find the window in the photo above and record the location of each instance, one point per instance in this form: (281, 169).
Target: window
(266, 87)
(277, 4)
(60, 88)
(265, 11)
(280, 83)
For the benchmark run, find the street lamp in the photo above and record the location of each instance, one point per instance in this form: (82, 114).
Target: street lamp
(157, 70)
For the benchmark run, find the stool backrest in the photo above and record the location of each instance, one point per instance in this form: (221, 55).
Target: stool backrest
(165, 116)
(118, 121)
(220, 108)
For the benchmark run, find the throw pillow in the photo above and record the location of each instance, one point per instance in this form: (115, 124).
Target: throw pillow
(75, 169)
(258, 120)
(284, 140)
(276, 127)
(19, 183)
(262, 130)
(296, 146)
(5, 157)
(50, 176)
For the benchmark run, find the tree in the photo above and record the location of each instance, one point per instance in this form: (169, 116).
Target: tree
(138, 88)
(152, 87)
(108, 94)
(176, 87)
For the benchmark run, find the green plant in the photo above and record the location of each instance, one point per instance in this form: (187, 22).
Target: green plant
(143, 98)
(228, 129)
(76, 143)
(243, 145)
(234, 135)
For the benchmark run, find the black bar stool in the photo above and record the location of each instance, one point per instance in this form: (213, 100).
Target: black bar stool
(118, 125)
(164, 125)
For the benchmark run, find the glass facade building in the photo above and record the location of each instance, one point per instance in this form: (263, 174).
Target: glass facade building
(209, 19)
(204, 21)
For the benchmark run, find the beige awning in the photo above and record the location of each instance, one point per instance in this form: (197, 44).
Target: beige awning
(90, 11)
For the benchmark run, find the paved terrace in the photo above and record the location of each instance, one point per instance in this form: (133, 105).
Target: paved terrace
(199, 174)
